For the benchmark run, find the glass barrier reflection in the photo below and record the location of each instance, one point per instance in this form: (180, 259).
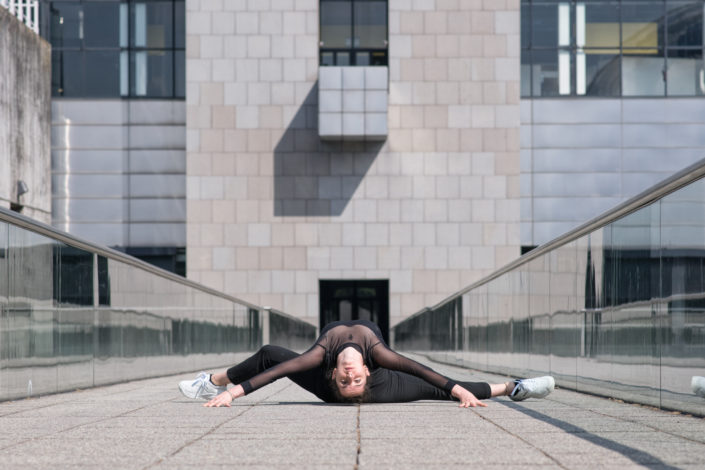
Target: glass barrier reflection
(73, 318)
(289, 332)
(619, 311)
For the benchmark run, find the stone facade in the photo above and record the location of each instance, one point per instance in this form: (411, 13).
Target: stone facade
(272, 209)
(25, 108)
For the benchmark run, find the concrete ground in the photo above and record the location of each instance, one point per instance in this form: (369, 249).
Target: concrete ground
(148, 424)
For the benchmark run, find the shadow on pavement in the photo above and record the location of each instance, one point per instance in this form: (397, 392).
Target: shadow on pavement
(637, 456)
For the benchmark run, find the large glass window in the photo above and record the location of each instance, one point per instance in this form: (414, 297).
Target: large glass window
(597, 32)
(612, 48)
(94, 73)
(110, 49)
(642, 41)
(353, 32)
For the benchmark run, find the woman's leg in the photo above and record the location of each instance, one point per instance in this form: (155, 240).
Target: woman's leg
(388, 386)
(269, 356)
(500, 390)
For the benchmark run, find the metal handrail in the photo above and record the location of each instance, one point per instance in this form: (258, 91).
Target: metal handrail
(26, 223)
(673, 183)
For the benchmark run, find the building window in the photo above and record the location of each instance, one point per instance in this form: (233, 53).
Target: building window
(353, 32)
(172, 259)
(345, 300)
(612, 48)
(110, 49)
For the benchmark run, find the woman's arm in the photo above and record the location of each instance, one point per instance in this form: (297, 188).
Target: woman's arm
(389, 359)
(225, 398)
(465, 397)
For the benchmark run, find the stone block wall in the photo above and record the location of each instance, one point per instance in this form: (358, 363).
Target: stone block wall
(272, 209)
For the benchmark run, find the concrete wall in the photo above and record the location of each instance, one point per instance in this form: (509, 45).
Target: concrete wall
(25, 106)
(272, 209)
(580, 157)
(118, 170)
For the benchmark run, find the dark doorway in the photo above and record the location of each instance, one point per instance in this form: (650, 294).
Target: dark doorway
(355, 300)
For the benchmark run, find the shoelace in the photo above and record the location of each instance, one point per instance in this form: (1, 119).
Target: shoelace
(517, 389)
(202, 384)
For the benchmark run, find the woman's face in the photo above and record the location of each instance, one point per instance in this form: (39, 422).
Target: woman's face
(351, 373)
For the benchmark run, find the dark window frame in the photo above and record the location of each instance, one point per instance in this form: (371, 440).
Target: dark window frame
(177, 84)
(327, 298)
(352, 51)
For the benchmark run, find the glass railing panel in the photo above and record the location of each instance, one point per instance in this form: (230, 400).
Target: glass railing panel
(4, 289)
(474, 318)
(595, 330)
(507, 337)
(74, 334)
(615, 307)
(30, 333)
(4, 278)
(682, 311)
(145, 315)
(633, 270)
(131, 287)
(74, 315)
(561, 332)
(499, 337)
(290, 333)
(538, 320)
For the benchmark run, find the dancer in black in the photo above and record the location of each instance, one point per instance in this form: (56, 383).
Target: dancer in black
(351, 362)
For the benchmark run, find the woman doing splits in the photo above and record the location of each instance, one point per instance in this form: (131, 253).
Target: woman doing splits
(350, 362)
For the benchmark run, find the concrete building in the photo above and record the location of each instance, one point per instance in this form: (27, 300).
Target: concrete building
(284, 212)
(612, 102)
(25, 102)
(507, 123)
(118, 125)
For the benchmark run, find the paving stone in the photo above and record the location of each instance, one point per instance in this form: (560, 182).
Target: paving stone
(148, 424)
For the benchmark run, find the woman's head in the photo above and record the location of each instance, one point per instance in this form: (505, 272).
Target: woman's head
(349, 377)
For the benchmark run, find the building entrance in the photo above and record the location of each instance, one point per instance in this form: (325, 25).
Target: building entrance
(355, 300)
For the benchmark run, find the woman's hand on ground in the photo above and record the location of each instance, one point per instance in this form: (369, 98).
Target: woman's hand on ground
(225, 398)
(466, 398)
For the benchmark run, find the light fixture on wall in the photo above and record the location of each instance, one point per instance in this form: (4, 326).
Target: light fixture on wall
(22, 188)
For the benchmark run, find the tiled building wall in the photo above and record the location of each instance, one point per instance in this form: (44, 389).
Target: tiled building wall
(272, 209)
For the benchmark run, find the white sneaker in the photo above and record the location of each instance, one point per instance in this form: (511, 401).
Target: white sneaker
(698, 385)
(201, 387)
(537, 387)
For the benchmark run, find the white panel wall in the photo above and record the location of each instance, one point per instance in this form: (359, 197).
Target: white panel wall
(118, 171)
(581, 157)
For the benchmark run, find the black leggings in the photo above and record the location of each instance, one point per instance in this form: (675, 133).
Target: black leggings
(385, 386)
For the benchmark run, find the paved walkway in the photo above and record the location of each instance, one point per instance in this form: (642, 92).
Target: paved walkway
(148, 424)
